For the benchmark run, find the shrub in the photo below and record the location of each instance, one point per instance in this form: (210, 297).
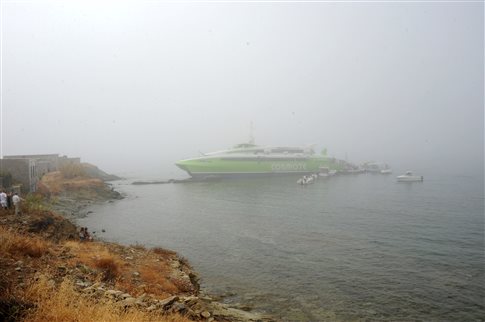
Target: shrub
(108, 266)
(36, 202)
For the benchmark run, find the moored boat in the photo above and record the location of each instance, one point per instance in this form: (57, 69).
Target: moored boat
(251, 159)
(409, 177)
(307, 179)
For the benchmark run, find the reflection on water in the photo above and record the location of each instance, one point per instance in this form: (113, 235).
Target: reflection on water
(344, 248)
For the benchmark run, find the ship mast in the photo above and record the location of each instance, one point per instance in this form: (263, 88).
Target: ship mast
(251, 136)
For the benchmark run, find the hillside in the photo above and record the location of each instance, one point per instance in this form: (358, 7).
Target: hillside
(94, 172)
(73, 188)
(48, 274)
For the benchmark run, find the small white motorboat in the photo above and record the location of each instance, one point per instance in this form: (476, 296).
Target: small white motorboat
(306, 180)
(409, 177)
(323, 172)
(386, 169)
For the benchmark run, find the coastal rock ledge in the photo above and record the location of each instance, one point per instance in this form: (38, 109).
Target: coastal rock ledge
(47, 273)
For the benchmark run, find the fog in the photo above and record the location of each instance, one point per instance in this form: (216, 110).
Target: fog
(135, 86)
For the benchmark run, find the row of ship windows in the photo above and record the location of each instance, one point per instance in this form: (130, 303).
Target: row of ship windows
(284, 151)
(256, 159)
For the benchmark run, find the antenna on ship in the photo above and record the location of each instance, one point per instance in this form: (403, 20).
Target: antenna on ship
(251, 136)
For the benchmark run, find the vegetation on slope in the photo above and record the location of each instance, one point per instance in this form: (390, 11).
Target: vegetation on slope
(45, 275)
(48, 274)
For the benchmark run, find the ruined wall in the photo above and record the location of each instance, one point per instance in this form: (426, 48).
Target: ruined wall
(64, 160)
(52, 159)
(44, 167)
(23, 172)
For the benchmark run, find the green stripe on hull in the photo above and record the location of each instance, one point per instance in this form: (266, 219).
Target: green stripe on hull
(221, 166)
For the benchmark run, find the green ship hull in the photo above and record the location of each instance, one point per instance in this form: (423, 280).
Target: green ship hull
(227, 166)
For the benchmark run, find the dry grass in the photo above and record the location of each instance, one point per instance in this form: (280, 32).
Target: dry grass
(97, 256)
(156, 281)
(38, 268)
(139, 247)
(72, 170)
(56, 182)
(182, 285)
(64, 303)
(154, 274)
(109, 267)
(165, 253)
(15, 244)
(45, 300)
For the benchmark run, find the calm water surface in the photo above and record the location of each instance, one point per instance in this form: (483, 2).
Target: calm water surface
(346, 248)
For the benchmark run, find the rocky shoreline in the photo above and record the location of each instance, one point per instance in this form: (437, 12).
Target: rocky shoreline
(72, 204)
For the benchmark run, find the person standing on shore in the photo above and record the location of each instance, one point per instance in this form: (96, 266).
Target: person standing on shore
(9, 200)
(16, 203)
(3, 199)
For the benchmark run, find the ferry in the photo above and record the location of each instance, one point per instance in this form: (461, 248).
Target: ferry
(251, 159)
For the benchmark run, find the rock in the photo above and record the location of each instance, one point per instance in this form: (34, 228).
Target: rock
(96, 285)
(136, 274)
(191, 301)
(175, 264)
(206, 298)
(178, 307)
(151, 308)
(205, 314)
(168, 301)
(18, 269)
(129, 301)
(84, 269)
(88, 290)
(125, 295)
(244, 307)
(82, 284)
(113, 293)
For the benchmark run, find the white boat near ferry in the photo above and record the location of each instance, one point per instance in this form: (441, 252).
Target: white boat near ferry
(409, 177)
(307, 179)
(377, 168)
(326, 172)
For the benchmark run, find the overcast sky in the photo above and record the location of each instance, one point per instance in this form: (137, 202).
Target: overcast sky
(136, 86)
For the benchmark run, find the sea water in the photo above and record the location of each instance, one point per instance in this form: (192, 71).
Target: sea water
(346, 248)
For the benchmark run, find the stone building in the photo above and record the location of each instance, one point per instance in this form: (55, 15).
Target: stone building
(27, 170)
(50, 161)
(22, 171)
